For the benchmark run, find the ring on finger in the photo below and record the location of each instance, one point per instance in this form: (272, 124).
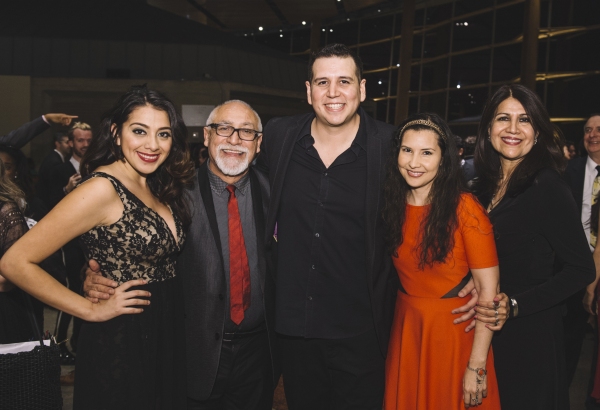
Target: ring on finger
(497, 322)
(496, 312)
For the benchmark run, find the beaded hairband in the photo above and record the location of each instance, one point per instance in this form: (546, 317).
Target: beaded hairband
(426, 123)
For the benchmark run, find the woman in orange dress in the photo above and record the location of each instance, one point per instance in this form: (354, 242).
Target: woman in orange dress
(439, 236)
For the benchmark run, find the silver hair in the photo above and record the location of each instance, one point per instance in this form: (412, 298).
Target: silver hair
(211, 116)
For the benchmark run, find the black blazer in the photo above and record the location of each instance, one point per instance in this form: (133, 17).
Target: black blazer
(200, 266)
(25, 133)
(279, 138)
(59, 178)
(574, 176)
(43, 185)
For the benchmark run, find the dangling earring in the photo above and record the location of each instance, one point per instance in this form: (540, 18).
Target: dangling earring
(535, 141)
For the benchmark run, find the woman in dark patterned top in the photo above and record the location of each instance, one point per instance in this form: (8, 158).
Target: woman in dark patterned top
(14, 323)
(131, 217)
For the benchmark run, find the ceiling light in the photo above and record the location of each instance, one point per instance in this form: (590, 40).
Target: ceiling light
(379, 82)
(331, 30)
(260, 28)
(304, 23)
(466, 23)
(458, 85)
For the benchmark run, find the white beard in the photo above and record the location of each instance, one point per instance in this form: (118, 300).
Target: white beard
(232, 166)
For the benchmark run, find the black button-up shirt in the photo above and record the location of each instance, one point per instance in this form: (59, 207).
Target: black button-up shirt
(321, 270)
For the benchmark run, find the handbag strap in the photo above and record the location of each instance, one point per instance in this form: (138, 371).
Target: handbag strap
(32, 319)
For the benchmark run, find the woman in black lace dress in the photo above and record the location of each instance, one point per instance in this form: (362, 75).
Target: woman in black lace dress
(14, 323)
(131, 217)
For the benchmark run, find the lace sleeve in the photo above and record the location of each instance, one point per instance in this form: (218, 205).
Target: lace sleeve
(12, 225)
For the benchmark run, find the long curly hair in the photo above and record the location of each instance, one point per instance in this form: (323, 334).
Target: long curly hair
(168, 182)
(438, 227)
(546, 153)
(9, 191)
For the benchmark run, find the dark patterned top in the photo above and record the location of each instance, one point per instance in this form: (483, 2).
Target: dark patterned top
(140, 245)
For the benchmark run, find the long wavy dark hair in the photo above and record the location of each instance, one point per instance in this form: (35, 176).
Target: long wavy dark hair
(441, 221)
(168, 182)
(546, 153)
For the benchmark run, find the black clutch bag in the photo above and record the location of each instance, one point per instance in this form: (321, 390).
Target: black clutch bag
(30, 380)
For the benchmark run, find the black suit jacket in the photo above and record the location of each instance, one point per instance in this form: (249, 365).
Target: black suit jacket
(278, 142)
(200, 266)
(42, 188)
(574, 176)
(59, 178)
(25, 133)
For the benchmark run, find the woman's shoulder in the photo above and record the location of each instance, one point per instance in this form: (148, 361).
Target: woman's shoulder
(469, 202)
(549, 180)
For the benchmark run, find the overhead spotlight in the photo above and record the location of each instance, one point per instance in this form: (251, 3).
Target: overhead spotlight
(331, 30)
(323, 29)
(281, 35)
(466, 23)
(398, 65)
(245, 34)
(304, 23)
(281, 31)
(378, 11)
(260, 28)
(458, 85)
(379, 82)
(348, 19)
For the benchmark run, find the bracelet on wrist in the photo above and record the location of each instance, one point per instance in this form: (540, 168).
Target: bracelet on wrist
(479, 371)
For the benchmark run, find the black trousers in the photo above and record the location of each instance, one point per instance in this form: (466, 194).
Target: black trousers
(244, 378)
(333, 373)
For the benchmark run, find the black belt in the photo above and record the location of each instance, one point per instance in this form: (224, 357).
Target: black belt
(228, 337)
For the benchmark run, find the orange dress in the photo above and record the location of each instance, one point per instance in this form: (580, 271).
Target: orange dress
(428, 354)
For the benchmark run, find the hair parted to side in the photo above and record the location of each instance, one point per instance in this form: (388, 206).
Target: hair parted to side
(438, 227)
(78, 126)
(9, 191)
(546, 153)
(168, 182)
(212, 114)
(334, 50)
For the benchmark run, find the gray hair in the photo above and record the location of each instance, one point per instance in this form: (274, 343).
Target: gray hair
(211, 116)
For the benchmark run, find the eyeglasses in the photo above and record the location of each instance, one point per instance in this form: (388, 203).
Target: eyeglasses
(245, 134)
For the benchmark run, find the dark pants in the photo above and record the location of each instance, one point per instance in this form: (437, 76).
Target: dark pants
(244, 378)
(333, 373)
(74, 261)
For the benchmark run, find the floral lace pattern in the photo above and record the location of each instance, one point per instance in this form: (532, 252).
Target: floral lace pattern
(140, 245)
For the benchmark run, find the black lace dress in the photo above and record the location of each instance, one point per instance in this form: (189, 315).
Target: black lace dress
(15, 325)
(130, 362)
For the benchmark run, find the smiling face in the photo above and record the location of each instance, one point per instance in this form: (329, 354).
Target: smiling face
(511, 133)
(146, 139)
(231, 156)
(335, 92)
(591, 137)
(80, 143)
(419, 160)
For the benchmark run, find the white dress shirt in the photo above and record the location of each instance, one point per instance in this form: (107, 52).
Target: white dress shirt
(586, 204)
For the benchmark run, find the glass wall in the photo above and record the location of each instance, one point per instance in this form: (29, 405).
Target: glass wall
(465, 49)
